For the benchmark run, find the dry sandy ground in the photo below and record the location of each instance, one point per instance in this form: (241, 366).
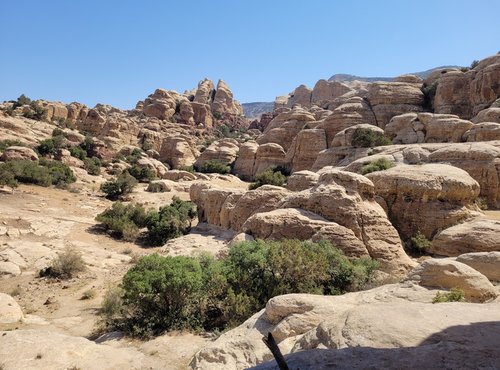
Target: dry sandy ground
(37, 222)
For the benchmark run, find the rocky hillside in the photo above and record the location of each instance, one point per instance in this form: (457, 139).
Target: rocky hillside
(390, 191)
(255, 110)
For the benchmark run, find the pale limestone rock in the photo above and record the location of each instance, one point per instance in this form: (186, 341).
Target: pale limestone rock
(179, 175)
(224, 151)
(245, 163)
(448, 274)
(268, 155)
(487, 263)
(484, 131)
(223, 101)
(426, 198)
(10, 311)
(9, 269)
(478, 235)
(325, 91)
(443, 128)
(487, 115)
(177, 152)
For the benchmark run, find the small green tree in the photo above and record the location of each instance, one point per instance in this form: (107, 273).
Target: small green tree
(366, 138)
(271, 176)
(123, 184)
(215, 166)
(92, 166)
(380, 164)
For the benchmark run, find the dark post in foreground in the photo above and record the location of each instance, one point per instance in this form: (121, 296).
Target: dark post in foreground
(275, 350)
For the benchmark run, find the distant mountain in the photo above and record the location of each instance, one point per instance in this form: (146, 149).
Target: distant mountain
(254, 110)
(346, 77)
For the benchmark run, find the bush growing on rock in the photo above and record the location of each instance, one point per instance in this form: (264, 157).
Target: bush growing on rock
(271, 176)
(123, 184)
(167, 293)
(43, 173)
(36, 112)
(429, 92)
(78, 152)
(65, 266)
(92, 165)
(215, 166)
(4, 144)
(366, 138)
(419, 243)
(454, 295)
(378, 165)
(142, 174)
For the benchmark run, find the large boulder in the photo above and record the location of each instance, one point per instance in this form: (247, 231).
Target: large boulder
(300, 96)
(487, 263)
(269, 155)
(478, 235)
(10, 311)
(15, 153)
(161, 104)
(245, 163)
(484, 131)
(448, 274)
(325, 91)
(223, 101)
(344, 137)
(425, 198)
(488, 115)
(305, 149)
(177, 151)
(224, 151)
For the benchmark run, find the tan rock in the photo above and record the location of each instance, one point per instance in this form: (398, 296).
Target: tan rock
(344, 137)
(202, 114)
(443, 128)
(178, 175)
(300, 96)
(245, 163)
(478, 235)
(10, 311)
(269, 155)
(177, 152)
(487, 115)
(302, 180)
(223, 101)
(484, 131)
(161, 104)
(224, 151)
(305, 148)
(448, 274)
(325, 91)
(15, 153)
(204, 92)
(487, 263)
(426, 198)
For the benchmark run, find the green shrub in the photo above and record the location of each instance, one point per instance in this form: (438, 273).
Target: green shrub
(124, 221)
(92, 165)
(429, 92)
(50, 146)
(378, 165)
(474, 64)
(78, 152)
(4, 144)
(170, 221)
(22, 100)
(65, 266)
(166, 293)
(112, 304)
(89, 146)
(123, 184)
(419, 243)
(366, 138)
(43, 173)
(134, 156)
(142, 174)
(454, 295)
(186, 168)
(270, 176)
(215, 166)
(36, 112)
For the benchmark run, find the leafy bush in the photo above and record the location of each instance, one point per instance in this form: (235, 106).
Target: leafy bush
(22, 100)
(474, 64)
(142, 174)
(454, 295)
(429, 92)
(123, 184)
(170, 221)
(36, 112)
(78, 152)
(165, 293)
(378, 165)
(43, 173)
(92, 165)
(186, 168)
(50, 146)
(65, 266)
(215, 166)
(419, 243)
(270, 176)
(124, 221)
(366, 138)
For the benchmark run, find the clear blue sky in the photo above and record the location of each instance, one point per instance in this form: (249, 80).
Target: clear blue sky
(118, 52)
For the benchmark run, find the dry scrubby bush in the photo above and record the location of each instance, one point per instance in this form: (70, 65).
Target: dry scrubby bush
(121, 185)
(4, 144)
(271, 176)
(378, 165)
(366, 138)
(454, 295)
(126, 221)
(167, 293)
(142, 174)
(43, 173)
(419, 243)
(65, 266)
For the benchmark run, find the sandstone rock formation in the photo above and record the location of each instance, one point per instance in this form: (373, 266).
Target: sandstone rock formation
(487, 263)
(14, 153)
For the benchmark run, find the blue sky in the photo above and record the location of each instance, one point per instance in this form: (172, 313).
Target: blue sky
(118, 52)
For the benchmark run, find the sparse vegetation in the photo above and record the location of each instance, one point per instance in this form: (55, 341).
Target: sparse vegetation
(380, 164)
(215, 166)
(142, 174)
(474, 64)
(167, 293)
(43, 173)
(187, 169)
(124, 221)
(366, 138)
(419, 243)
(89, 294)
(271, 176)
(66, 265)
(92, 165)
(454, 295)
(35, 112)
(482, 203)
(4, 144)
(122, 185)
(429, 92)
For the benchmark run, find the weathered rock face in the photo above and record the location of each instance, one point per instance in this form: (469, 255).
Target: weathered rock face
(14, 153)
(223, 101)
(177, 152)
(300, 96)
(480, 160)
(315, 332)
(466, 94)
(161, 104)
(488, 115)
(224, 151)
(391, 99)
(10, 311)
(426, 198)
(302, 180)
(478, 235)
(414, 128)
(487, 263)
(269, 155)
(305, 149)
(205, 92)
(325, 91)
(245, 163)
(448, 274)
(353, 112)
(484, 131)
(344, 137)
(285, 126)
(347, 199)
